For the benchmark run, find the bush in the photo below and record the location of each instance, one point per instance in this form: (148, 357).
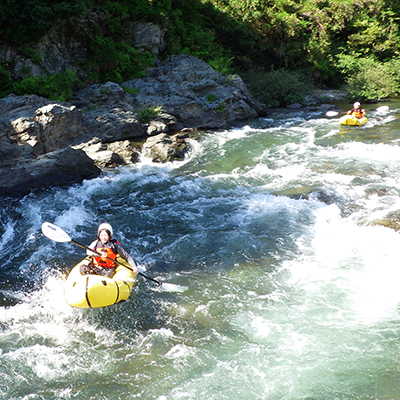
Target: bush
(53, 87)
(147, 113)
(278, 88)
(116, 61)
(368, 79)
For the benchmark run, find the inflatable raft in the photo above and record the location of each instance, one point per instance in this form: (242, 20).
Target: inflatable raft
(94, 291)
(349, 120)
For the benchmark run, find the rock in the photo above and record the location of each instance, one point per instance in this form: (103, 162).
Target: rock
(150, 37)
(109, 155)
(156, 127)
(195, 94)
(103, 96)
(20, 134)
(295, 106)
(60, 126)
(96, 125)
(172, 123)
(58, 168)
(112, 124)
(125, 150)
(58, 50)
(108, 112)
(13, 107)
(163, 148)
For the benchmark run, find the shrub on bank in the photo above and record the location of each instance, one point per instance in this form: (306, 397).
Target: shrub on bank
(278, 88)
(368, 79)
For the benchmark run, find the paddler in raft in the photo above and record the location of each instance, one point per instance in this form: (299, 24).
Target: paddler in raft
(356, 111)
(110, 248)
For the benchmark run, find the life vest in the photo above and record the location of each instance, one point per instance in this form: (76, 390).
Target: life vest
(111, 252)
(357, 113)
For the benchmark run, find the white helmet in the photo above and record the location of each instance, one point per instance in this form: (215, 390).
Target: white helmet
(357, 104)
(105, 227)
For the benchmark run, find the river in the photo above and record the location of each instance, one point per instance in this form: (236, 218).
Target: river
(292, 285)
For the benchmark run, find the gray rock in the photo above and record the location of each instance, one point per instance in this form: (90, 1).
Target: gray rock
(100, 120)
(60, 126)
(195, 94)
(163, 148)
(58, 168)
(149, 36)
(109, 155)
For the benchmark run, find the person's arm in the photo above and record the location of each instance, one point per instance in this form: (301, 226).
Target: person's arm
(91, 246)
(126, 256)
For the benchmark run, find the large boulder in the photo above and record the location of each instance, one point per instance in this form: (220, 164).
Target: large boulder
(108, 112)
(197, 95)
(113, 124)
(60, 126)
(58, 168)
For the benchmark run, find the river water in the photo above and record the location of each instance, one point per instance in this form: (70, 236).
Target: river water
(293, 288)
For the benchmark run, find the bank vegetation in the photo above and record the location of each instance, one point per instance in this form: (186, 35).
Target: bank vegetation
(282, 48)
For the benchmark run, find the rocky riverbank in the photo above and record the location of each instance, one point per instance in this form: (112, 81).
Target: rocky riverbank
(45, 143)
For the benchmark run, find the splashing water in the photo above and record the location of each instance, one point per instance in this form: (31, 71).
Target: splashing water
(276, 234)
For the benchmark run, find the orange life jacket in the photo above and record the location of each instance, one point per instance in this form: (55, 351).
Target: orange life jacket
(110, 251)
(357, 113)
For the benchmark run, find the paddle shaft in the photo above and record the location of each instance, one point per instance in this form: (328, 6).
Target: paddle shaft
(116, 261)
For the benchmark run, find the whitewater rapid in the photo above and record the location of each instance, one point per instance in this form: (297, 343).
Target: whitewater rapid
(278, 230)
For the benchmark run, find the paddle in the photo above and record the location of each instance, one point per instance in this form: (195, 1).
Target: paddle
(383, 109)
(55, 233)
(334, 113)
(331, 113)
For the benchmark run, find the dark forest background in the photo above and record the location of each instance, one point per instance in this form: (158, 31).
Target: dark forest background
(282, 49)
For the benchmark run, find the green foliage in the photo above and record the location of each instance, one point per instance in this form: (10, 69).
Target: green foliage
(278, 88)
(22, 21)
(147, 113)
(368, 79)
(232, 36)
(221, 107)
(54, 87)
(211, 98)
(306, 35)
(132, 91)
(115, 61)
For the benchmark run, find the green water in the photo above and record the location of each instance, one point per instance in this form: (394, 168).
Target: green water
(273, 227)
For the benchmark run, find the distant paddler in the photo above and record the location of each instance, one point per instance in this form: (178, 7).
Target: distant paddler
(357, 111)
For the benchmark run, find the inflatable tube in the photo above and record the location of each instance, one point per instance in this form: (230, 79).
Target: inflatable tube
(349, 120)
(94, 291)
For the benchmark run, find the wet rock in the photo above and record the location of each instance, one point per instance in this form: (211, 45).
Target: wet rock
(163, 148)
(392, 221)
(156, 127)
(58, 168)
(109, 155)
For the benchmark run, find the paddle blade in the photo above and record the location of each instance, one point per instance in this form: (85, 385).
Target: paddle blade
(170, 287)
(55, 233)
(331, 113)
(383, 109)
